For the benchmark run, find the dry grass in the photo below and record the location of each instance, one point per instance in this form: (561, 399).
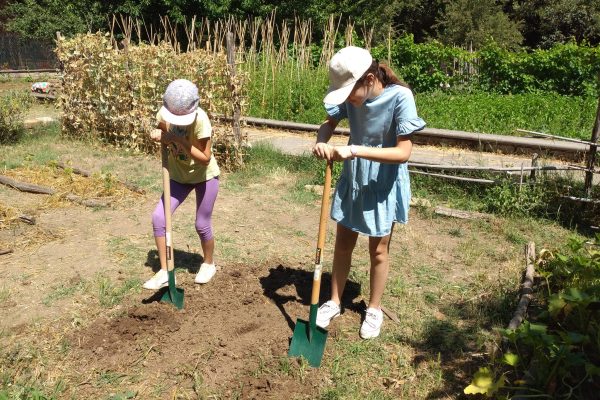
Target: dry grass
(65, 182)
(8, 216)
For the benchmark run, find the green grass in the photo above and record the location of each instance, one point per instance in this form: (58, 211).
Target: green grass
(297, 96)
(126, 251)
(265, 164)
(26, 383)
(502, 114)
(4, 294)
(37, 147)
(128, 255)
(289, 94)
(229, 248)
(63, 292)
(110, 294)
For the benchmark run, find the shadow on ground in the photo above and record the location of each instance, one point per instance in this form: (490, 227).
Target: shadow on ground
(277, 283)
(183, 260)
(452, 340)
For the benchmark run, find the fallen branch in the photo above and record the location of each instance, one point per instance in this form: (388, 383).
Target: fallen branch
(456, 178)
(581, 200)
(566, 139)
(28, 219)
(390, 314)
(7, 251)
(87, 202)
(87, 174)
(491, 169)
(451, 212)
(74, 169)
(25, 187)
(526, 288)
(28, 187)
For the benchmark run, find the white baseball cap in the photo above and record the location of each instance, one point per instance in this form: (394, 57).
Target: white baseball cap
(346, 67)
(180, 102)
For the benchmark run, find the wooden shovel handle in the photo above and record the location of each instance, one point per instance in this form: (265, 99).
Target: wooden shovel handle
(316, 288)
(167, 205)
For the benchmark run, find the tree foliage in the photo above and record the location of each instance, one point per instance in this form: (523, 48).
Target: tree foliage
(546, 22)
(473, 22)
(533, 23)
(41, 19)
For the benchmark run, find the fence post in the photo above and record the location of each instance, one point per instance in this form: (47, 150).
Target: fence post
(236, 104)
(591, 156)
(534, 164)
(389, 46)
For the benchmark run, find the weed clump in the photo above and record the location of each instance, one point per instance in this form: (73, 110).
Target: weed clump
(12, 108)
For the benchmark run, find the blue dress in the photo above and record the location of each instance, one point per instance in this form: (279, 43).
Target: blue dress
(369, 195)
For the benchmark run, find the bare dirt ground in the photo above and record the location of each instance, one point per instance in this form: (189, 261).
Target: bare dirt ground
(225, 325)
(67, 320)
(231, 339)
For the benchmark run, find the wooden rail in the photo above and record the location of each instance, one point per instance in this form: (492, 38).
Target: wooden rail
(28, 71)
(478, 141)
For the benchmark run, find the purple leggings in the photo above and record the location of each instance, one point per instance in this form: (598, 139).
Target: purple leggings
(206, 194)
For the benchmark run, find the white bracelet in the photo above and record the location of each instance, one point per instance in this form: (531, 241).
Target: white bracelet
(353, 150)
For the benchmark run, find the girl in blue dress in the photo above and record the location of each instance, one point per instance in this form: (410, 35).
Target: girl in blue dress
(373, 190)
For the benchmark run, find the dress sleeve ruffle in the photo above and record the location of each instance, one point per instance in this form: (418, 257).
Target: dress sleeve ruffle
(337, 112)
(408, 126)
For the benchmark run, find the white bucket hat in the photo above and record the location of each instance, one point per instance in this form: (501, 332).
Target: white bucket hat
(180, 102)
(345, 68)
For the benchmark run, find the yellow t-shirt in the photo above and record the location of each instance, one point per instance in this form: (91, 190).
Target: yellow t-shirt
(182, 167)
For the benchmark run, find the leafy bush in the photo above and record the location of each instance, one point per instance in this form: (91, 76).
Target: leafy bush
(287, 93)
(567, 69)
(12, 109)
(578, 267)
(511, 199)
(297, 95)
(558, 354)
(427, 66)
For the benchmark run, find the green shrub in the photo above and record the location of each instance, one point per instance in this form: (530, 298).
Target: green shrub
(428, 66)
(557, 354)
(548, 112)
(512, 199)
(567, 69)
(12, 109)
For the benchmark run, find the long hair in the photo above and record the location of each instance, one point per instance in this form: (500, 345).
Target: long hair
(384, 74)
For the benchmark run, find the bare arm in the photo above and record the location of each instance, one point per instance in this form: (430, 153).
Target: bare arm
(321, 149)
(392, 155)
(198, 149)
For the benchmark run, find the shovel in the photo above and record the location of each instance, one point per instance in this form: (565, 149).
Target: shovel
(174, 295)
(309, 339)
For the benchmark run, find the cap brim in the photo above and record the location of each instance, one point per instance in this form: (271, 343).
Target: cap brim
(340, 95)
(171, 118)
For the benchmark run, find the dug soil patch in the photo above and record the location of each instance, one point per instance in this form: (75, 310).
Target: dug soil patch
(224, 330)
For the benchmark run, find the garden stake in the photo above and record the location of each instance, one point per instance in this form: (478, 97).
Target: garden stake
(174, 295)
(309, 339)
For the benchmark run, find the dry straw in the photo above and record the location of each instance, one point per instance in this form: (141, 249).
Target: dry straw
(67, 183)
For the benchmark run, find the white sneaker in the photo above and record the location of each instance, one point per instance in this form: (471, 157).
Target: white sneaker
(207, 271)
(159, 280)
(371, 326)
(328, 311)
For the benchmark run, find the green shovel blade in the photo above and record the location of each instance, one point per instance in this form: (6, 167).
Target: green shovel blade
(174, 295)
(309, 340)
